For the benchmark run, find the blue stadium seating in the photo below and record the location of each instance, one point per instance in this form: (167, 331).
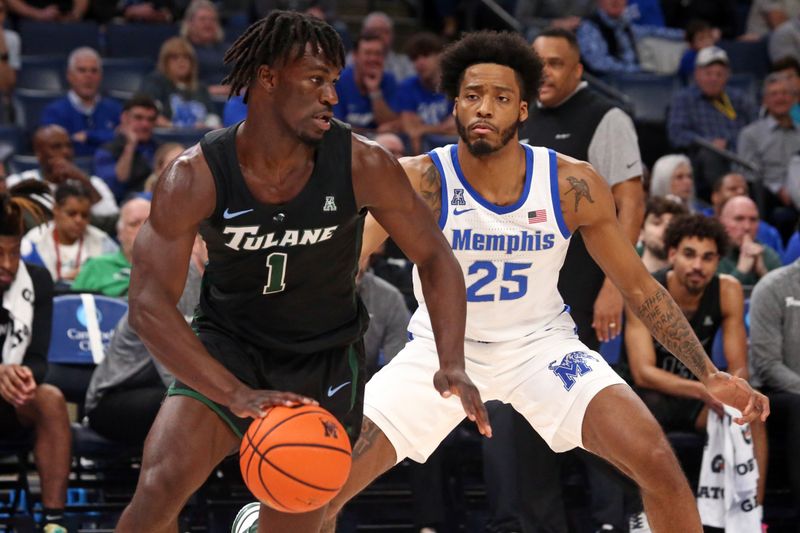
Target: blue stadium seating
(650, 94)
(12, 140)
(747, 57)
(41, 77)
(122, 76)
(137, 40)
(746, 83)
(29, 104)
(54, 38)
(186, 137)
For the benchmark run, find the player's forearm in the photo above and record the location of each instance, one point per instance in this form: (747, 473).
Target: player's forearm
(662, 316)
(446, 298)
(172, 342)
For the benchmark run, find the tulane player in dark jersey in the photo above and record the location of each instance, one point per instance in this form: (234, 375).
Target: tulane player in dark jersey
(280, 199)
(710, 301)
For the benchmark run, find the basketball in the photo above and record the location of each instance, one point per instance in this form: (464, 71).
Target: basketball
(295, 459)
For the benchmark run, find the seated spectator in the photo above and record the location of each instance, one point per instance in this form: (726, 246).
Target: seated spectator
(775, 360)
(538, 15)
(235, 111)
(792, 252)
(367, 93)
(710, 301)
(699, 35)
(711, 111)
(659, 212)
(607, 39)
(380, 24)
(49, 10)
(790, 68)
(766, 15)
(110, 274)
(720, 14)
(165, 155)
(65, 243)
(148, 11)
(26, 403)
(130, 384)
(127, 161)
(769, 143)
(201, 27)
(88, 117)
(392, 143)
(672, 174)
(748, 259)
(53, 150)
(183, 100)
(423, 109)
(10, 62)
(784, 41)
(733, 184)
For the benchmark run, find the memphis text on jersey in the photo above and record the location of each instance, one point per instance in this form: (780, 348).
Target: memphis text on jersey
(524, 241)
(248, 238)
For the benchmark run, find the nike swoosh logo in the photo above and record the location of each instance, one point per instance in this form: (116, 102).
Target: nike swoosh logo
(457, 212)
(227, 215)
(631, 165)
(334, 390)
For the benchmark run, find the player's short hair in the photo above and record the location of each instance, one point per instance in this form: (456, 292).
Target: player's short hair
(699, 226)
(424, 44)
(501, 48)
(71, 189)
(279, 38)
(662, 205)
(785, 63)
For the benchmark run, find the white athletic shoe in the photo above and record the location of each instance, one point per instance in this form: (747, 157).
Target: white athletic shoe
(246, 520)
(637, 523)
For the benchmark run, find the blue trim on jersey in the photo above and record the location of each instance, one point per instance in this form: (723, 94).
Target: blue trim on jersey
(445, 203)
(556, 197)
(499, 209)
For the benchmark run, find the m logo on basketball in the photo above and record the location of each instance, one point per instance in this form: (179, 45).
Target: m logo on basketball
(330, 429)
(571, 367)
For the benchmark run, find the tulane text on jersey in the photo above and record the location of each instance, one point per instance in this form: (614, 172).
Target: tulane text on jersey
(247, 237)
(524, 241)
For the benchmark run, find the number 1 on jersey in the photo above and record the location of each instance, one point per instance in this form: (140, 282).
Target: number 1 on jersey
(276, 273)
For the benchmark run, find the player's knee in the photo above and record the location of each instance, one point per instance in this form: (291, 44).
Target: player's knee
(658, 467)
(49, 403)
(159, 482)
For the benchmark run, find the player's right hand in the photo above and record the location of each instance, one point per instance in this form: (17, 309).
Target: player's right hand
(456, 381)
(17, 385)
(253, 403)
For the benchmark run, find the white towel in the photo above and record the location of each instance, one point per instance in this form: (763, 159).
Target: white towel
(726, 496)
(18, 300)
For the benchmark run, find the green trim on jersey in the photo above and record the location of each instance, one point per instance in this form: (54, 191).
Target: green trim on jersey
(180, 391)
(352, 360)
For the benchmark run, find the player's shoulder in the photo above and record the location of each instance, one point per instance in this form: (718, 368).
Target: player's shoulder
(568, 165)
(187, 181)
(730, 287)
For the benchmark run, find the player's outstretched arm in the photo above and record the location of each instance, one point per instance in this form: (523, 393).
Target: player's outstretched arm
(382, 186)
(184, 196)
(587, 203)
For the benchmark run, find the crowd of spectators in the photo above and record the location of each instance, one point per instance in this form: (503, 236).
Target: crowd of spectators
(727, 171)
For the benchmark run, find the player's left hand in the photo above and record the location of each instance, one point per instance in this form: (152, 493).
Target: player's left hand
(456, 381)
(607, 317)
(738, 393)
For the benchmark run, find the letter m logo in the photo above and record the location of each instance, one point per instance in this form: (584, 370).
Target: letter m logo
(572, 366)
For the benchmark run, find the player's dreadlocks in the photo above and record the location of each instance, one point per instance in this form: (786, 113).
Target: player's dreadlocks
(281, 37)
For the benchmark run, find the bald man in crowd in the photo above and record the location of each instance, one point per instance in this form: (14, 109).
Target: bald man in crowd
(748, 259)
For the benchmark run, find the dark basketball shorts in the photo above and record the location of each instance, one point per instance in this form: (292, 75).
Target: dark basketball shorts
(334, 377)
(10, 426)
(672, 412)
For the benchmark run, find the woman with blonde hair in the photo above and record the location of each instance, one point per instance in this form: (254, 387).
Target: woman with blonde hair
(182, 99)
(672, 174)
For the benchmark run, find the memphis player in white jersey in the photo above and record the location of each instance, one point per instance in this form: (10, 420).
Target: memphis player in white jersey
(508, 211)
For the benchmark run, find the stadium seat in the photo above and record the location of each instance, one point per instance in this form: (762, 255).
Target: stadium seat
(43, 78)
(746, 83)
(747, 57)
(186, 137)
(29, 104)
(137, 40)
(55, 38)
(122, 76)
(650, 94)
(11, 140)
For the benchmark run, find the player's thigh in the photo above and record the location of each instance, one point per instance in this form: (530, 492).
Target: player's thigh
(187, 440)
(402, 402)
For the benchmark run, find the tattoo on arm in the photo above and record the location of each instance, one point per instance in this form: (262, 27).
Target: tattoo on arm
(669, 326)
(431, 190)
(581, 189)
(369, 434)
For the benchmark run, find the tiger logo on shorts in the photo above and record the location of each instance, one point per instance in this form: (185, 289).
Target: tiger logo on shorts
(572, 366)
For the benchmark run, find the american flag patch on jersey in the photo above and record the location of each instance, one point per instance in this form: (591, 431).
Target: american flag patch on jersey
(534, 217)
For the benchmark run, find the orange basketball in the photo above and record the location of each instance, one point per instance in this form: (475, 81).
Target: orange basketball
(295, 459)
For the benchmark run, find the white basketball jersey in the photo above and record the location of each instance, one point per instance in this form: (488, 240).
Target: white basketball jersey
(510, 255)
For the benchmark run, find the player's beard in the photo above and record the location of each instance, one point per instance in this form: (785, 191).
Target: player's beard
(482, 146)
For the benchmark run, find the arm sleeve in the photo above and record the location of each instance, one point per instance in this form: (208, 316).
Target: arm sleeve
(614, 149)
(766, 340)
(36, 355)
(51, 115)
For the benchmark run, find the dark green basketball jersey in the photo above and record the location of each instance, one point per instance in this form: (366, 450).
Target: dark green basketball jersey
(283, 276)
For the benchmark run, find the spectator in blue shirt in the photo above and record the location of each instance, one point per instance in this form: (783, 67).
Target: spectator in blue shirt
(367, 93)
(89, 118)
(235, 111)
(607, 39)
(423, 109)
(126, 162)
